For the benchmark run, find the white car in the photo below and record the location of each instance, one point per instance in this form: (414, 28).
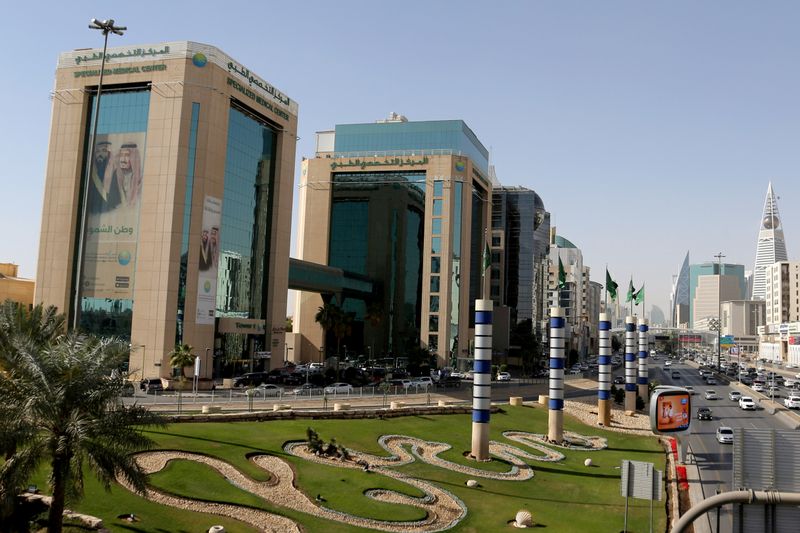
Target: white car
(711, 395)
(667, 363)
(423, 382)
(734, 395)
(746, 403)
(503, 376)
(267, 389)
(758, 387)
(575, 372)
(690, 389)
(792, 402)
(725, 435)
(339, 388)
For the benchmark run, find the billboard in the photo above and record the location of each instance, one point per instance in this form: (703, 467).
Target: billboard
(670, 410)
(208, 262)
(112, 216)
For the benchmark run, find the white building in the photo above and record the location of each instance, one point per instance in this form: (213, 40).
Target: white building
(771, 246)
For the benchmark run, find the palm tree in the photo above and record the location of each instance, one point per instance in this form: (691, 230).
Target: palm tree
(63, 396)
(181, 357)
(40, 325)
(327, 316)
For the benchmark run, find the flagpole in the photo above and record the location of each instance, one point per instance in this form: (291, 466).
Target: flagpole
(605, 293)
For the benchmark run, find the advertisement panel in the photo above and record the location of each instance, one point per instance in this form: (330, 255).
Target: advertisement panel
(672, 412)
(208, 261)
(112, 216)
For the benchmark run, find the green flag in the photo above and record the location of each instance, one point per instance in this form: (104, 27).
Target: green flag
(487, 257)
(562, 275)
(639, 296)
(611, 286)
(631, 290)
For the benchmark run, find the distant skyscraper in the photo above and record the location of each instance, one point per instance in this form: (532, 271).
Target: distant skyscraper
(680, 295)
(771, 245)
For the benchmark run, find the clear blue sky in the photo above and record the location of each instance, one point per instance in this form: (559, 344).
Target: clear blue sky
(649, 129)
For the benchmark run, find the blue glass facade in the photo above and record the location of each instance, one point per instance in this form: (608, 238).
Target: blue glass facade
(106, 296)
(245, 234)
(452, 135)
(187, 217)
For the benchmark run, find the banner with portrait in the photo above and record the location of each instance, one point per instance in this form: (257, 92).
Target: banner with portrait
(208, 266)
(112, 216)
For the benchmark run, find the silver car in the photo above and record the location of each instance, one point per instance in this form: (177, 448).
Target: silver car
(725, 435)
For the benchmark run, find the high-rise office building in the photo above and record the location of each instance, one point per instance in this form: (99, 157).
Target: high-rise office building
(184, 199)
(679, 299)
(405, 205)
(574, 297)
(771, 246)
(782, 293)
(707, 304)
(520, 229)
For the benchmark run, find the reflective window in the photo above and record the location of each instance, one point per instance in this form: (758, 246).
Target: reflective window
(437, 189)
(437, 208)
(433, 342)
(433, 323)
(436, 265)
(111, 236)
(436, 245)
(434, 283)
(187, 217)
(434, 307)
(455, 282)
(436, 226)
(246, 225)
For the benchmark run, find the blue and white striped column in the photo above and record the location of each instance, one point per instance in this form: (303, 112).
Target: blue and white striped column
(643, 354)
(604, 372)
(630, 363)
(555, 423)
(482, 380)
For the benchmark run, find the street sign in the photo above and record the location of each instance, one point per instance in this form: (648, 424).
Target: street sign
(640, 480)
(726, 341)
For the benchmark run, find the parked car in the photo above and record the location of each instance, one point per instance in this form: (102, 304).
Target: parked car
(503, 376)
(267, 389)
(251, 379)
(449, 381)
(704, 413)
(711, 395)
(792, 402)
(339, 388)
(422, 382)
(405, 383)
(725, 435)
(306, 388)
(734, 395)
(746, 403)
(151, 385)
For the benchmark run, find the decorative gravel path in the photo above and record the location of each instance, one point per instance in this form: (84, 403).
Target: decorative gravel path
(443, 509)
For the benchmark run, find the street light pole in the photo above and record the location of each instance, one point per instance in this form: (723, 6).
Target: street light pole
(719, 257)
(105, 26)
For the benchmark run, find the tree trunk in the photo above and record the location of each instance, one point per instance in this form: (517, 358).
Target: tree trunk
(55, 517)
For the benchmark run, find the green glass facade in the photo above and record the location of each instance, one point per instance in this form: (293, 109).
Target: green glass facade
(377, 230)
(245, 233)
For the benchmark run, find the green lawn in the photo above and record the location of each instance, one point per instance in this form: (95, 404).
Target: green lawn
(564, 496)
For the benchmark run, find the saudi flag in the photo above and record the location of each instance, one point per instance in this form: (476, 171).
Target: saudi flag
(611, 286)
(631, 290)
(562, 275)
(639, 296)
(487, 257)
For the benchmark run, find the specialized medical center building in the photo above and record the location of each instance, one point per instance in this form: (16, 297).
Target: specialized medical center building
(172, 223)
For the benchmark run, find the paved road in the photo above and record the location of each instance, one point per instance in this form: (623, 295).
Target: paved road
(715, 461)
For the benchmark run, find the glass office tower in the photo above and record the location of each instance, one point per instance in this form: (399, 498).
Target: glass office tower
(405, 205)
(175, 229)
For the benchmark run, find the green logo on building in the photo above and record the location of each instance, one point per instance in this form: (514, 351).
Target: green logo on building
(199, 59)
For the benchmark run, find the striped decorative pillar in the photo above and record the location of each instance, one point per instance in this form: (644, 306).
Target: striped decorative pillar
(630, 363)
(604, 372)
(643, 354)
(555, 425)
(482, 381)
